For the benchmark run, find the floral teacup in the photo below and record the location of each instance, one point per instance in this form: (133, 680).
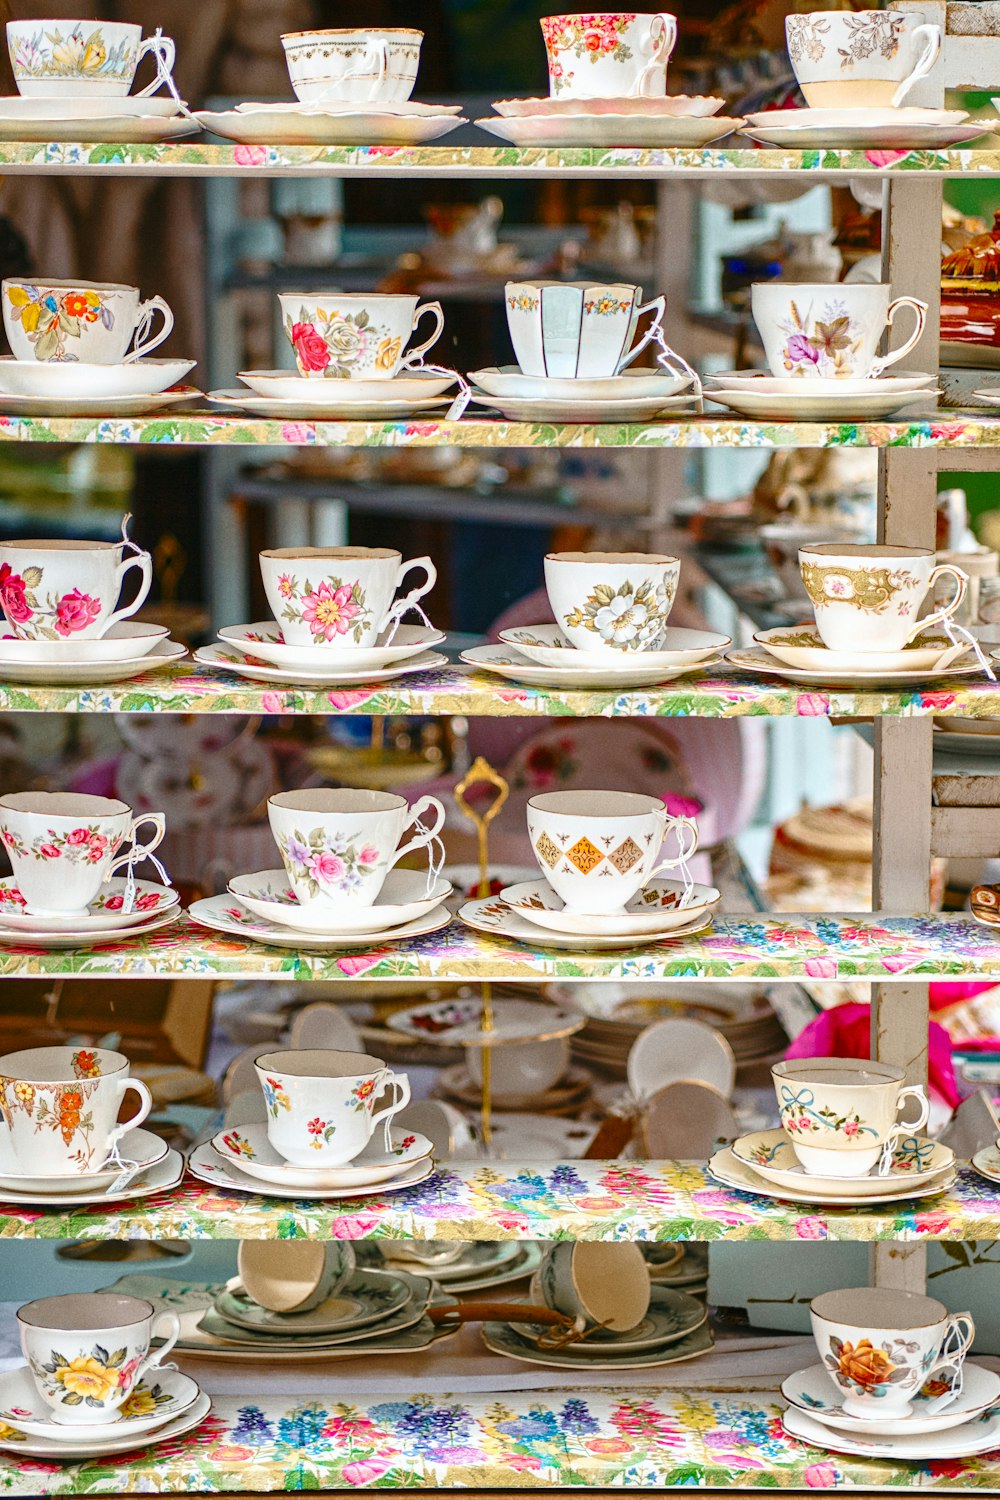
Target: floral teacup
(81, 321)
(68, 591)
(868, 598)
(571, 329)
(337, 337)
(337, 596)
(88, 1351)
(323, 1106)
(612, 603)
(97, 59)
(610, 55)
(59, 1109)
(815, 331)
(841, 1115)
(860, 59)
(881, 1347)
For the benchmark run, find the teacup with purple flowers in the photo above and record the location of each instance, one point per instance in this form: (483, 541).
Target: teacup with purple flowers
(823, 331)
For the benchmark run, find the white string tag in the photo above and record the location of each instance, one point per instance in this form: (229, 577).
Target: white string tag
(669, 359)
(127, 517)
(131, 888)
(463, 395)
(129, 1169)
(436, 856)
(959, 636)
(398, 614)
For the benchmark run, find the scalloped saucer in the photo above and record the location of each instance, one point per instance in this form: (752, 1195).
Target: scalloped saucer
(83, 937)
(139, 1146)
(673, 106)
(731, 1172)
(650, 913)
(403, 898)
(755, 659)
(812, 1391)
(229, 661)
(158, 1178)
(205, 1164)
(248, 1148)
(104, 914)
(309, 127)
(802, 646)
(494, 917)
(597, 672)
(264, 641)
(548, 647)
(630, 385)
(222, 915)
(916, 1162)
(597, 130)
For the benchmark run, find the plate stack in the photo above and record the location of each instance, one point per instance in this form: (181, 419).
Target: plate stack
(605, 1042)
(460, 1267)
(682, 1267)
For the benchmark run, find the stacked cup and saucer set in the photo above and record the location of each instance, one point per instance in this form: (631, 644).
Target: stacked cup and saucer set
(608, 87)
(353, 88)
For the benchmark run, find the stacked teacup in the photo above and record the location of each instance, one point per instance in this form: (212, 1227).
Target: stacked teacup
(93, 1385)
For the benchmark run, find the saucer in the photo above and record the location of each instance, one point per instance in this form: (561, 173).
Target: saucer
(249, 667)
(205, 1164)
(755, 659)
(316, 127)
(71, 379)
(731, 1172)
(915, 1163)
(685, 131)
(123, 642)
(878, 118)
(550, 409)
(249, 1149)
(860, 135)
(834, 407)
(813, 1392)
(612, 675)
(802, 646)
(763, 382)
(21, 1407)
(671, 1316)
(82, 936)
(139, 1146)
(222, 915)
(330, 406)
(402, 899)
(651, 912)
(97, 406)
(158, 1178)
(345, 107)
(675, 106)
(503, 1338)
(458, 1023)
(61, 1451)
(630, 385)
(980, 1435)
(987, 1161)
(265, 643)
(280, 385)
(83, 106)
(548, 647)
(496, 918)
(74, 672)
(372, 1304)
(105, 913)
(112, 128)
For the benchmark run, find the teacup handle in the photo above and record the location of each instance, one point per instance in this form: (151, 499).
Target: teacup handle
(144, 563)
(657, 307)
(154, 1359)
(139, 852)
(423, 836)
(147, 312)
(663, 40)
(407, 362)
(895, 355)
(145, 1105)
(932, 35)
(166, 53)
(962, 1329)
(943, 570)
(682, 827)
(907, 1127)
(400, 1085)
(399, 607)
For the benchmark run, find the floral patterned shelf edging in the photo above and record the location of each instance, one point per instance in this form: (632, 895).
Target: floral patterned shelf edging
(947, 429)
(458, 690)
(772, 948)
(631, 1438)
(583, 1200)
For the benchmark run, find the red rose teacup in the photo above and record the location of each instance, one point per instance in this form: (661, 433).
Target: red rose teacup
(355, 338)
(68, 591)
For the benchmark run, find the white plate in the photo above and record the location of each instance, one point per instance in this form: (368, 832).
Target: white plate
(82, 937)
(674, 106)
(978, 1436)
(760, 406)
(70, 379)
(610, 130)
(311, 128)
(813, 1392)
(123, 642)
(205, 1164)
(104, 914)
(766, 384)
(631, 385)
(222, 914)
(755, 659)
(867, 137)
(281, 385)
(97, 406)
(730, 1171)
(989, 394)
(496, 918)
(263, 640)
(247, 1148)
(548, 647)
(22, 1408)
(653, 910)
(36, 1447)
(802, 646)
(680, 1050)
(78, 107)
(389, 107)
(90, 673)
(500, 662)
(113, 128)
(159, 1178)
(538, 409)
(402, 899)
(139, 1146)
(850, 119)
(230, 661)
(323, 409)
(770, 1154)
(454, 1023)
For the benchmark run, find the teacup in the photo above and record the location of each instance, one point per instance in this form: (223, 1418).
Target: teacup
(357, 65)
(571, 329)
(323, 1106)
(293, 1276)
(63, 846)
(60, 58)
(841, 1114)
(596, 849)
(59, 1109)
(611, 55)
(867, 598)
(338, 596)
(88, 1351)
(867, 59)
(598, 1285)
(338, 337)
(818, 331)
(68, 591)
(612, 603)
(881, 1347)
(339, 844)
(522, 1067)
(90, 322)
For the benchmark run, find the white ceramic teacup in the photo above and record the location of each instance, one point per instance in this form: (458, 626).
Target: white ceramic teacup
(841, 1114)
(597, 1284)
(59, 1109)
(86, 322)
(293, 1276)
(521, 1067)
(68, 591)
(868, 598)
(339, 337)
(339, 844)
(573, 329)
(596, 849)
(88, 1351)
(880, 1347)
(60, 58)
(860, 59)
(609, 55)
(323, 1106)
(819, 331)
(63, 846)
(353, 65)
(337, 596)
(612, 603)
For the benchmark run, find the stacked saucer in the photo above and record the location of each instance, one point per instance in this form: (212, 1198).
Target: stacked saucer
(249, 1151)
(122, 909)
(460, 1267)
(865, 129)
(765, 1163)
(147, 1167)
(797, 654)
(159, 1409)
(764, 397)
(629, 396)
(290, 397)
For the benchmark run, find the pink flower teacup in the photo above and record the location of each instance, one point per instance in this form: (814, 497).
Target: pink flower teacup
(68, 591)
(339, 596)
(63, 846)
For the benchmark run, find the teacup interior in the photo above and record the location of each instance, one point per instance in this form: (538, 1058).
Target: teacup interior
(612, 1283)
(596, 804)
(320, 1063)
(837, 1072)
(55, 1064)
(603, 559)
(878, 1308)
(330, 554)
(279, 1274)
(64, 805)
(865, 552)
(85, 1312)
(327, 800)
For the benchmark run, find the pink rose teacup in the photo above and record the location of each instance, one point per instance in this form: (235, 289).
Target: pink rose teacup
(62, 846)
(68, 591)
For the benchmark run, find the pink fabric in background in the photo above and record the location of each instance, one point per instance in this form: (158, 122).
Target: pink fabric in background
(845, 1032)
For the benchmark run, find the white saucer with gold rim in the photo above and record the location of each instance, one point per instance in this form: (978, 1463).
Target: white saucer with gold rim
(546, 645)
(802, 646)
(495, 917)
(916, 1162)
(653, 911)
